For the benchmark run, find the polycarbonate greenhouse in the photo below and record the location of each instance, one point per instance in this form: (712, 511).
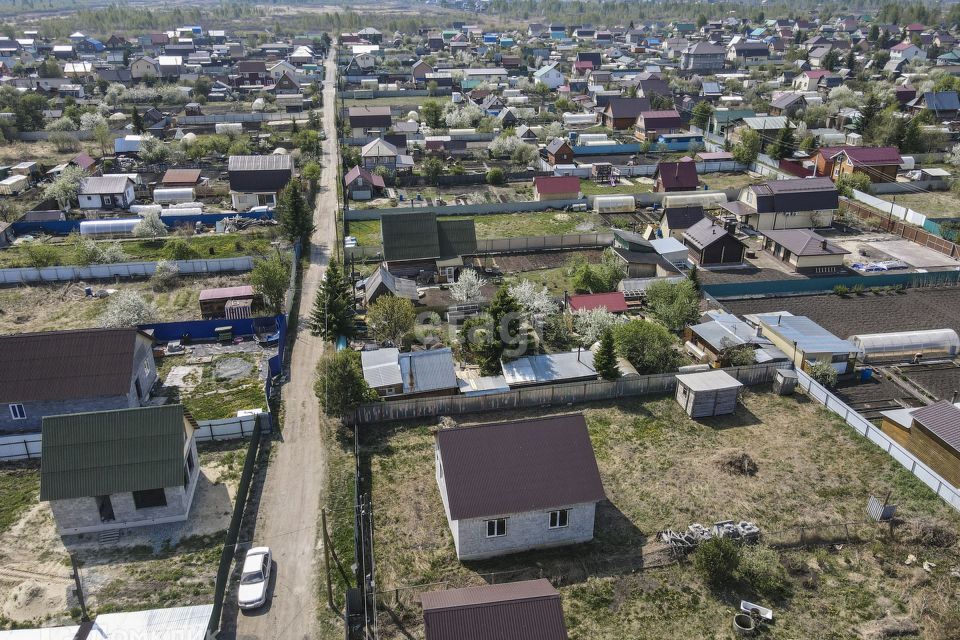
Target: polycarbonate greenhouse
(112, 227)
(905, 345)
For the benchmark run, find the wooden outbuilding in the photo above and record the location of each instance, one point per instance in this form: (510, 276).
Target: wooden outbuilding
(709, 393)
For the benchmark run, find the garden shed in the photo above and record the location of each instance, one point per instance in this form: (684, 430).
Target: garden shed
(710, 393)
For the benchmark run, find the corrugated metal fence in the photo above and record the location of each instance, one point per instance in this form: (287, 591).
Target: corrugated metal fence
(547, 395)
(31, 275)
(864, 427)
(510, 245)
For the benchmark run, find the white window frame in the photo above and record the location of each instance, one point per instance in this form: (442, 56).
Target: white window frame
(496, 525)
(17, 412)
(557, 516)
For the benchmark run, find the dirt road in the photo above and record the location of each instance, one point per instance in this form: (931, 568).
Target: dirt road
(295, 479)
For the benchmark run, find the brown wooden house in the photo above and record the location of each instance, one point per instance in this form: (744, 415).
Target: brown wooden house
(559, 151)
(931, 433)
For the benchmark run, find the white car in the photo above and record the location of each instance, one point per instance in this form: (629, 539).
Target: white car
(255, 578)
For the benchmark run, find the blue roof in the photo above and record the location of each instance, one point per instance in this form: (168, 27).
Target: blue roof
(942, 100)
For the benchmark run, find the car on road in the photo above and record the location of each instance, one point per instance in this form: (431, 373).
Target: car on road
(254, 578)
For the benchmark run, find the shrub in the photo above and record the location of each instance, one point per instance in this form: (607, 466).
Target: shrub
(178, 249)
(85, 251)
(114, 253)
(496, 176)
(716, 560)
(165, 275)
(760, 567)
(150, 227)
(857, 289)
(63, 142)
(40, 255)
(841, 290)
(127, 309)
(824, 374)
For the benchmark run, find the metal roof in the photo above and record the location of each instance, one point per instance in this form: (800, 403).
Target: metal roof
(381, 367)
(705, 233)
(416, 236)
(727, 330)
(181, 176)
(182, 623)
(226, 293)
(809, 336)
(528, 610)
(679, 218)
(272, 162)
(612, 302)
(431, 370)
(803, 242)
(516, 467)
(45, 633)
(942, 419)
(108, 452)
(66, 365)
(104, 185)
(714, 380)
(552, 367)
(400, 287)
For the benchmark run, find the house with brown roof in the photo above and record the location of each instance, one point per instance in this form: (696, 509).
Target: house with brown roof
(180, 178)
(930, 433)
(64, 372)
(804, 250)
(711, 244)
(880, 164)
(653, 124)
(622, 113)
(527, 610)
(675, 176)
(362, 184)
(514, 486)
(556, 188)
(366, 120)
(559, 151)
(801, 203)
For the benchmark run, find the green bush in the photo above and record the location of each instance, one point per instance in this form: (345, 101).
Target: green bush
(716, 560)
(180, 250)
(496, 176)
(40, 255)
(857, 289)
(841, 290)
(824, 374)
(760, 567)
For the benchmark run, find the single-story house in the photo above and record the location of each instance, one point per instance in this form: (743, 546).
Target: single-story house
(805, 341)
(556, 188)
(614, 302)
(712, 244)
(362, 184)
(880, 164)
(180, 623)
(804, 250)
(382, 283)
(546, 490)
(120, 468)
(364, 120)
(75, 371)
(415, 374)
(652, 124)
(931, 433)
(256, 181)
(675, 176)
(186, 178)
(106, 192)
(422, 246)
(550, 368)
(528, 610)
(709, 339)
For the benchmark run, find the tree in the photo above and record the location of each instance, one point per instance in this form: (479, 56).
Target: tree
(824, 374)
(165, 275)
(311, 173)
(467, 288)
(270, 279)
(912, 141)
(868, 114)
(180, 249)
(784, 144)
(137, 121)
(716, 560)
(649, 347)
(831, 60)
(340, 386)
(391, 318)
(847, 182)
(591, 324)
(605, 359)
(693, 276)
(505, 314)
(739, 355)
(150, 226)
(747, 150)
(40, 255)
(495, 176)
(675, 304)
(701, 115)
(432, 114)
(103, 137)
(534, 299)
(478, 339)
(153, 150)
(332, 314)
(65, 187)
(295, 217)
(432, 169)
(127, 309)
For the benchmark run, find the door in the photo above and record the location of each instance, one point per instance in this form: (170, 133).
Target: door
(105, 507)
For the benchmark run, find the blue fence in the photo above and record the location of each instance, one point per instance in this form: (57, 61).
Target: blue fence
(936, 228)
(606, 149)
(65, 227)
(821, 285)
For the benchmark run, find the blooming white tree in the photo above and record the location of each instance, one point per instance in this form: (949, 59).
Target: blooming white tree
(467, 288)
(127, 309)
(164, 275)
(65, 187)
(88, 121)
(955, 155)
(150, 227)
(62, 124)
(468, 115)
(535, 300)
(591, 323)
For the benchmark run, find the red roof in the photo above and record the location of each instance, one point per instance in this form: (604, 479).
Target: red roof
(903, 46)
(360, 172)
(874, 155)
(613, 302)
(553, 185)
(678, 175)
(817, 73)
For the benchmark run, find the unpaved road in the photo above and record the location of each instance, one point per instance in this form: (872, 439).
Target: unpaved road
(289, 507)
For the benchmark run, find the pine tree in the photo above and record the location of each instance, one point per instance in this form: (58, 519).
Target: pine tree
(784, 145)
(505, 314)
(868, 114)
(294, 215)
(294, 128)
(912, 140)
(694, 277)
(332, 314)
(137, 121)
(605, 359)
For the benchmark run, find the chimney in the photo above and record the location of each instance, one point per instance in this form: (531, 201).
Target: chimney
(954, 400)
(823, 244)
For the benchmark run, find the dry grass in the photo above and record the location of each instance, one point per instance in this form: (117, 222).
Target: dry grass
(659, 471)
(934, 204)
(42, 152)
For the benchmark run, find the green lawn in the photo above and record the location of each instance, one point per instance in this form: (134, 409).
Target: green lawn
(591, 188)
(728, 180)
(367, 232)
(934, 204)
(214, 399)
(19, 489)
(255, 243)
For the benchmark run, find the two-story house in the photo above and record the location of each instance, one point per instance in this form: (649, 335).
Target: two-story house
(802, 203)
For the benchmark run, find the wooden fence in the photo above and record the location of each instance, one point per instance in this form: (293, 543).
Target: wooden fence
(887, 222)
(542, 396)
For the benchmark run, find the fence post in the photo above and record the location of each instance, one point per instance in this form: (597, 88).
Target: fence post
(26, 449)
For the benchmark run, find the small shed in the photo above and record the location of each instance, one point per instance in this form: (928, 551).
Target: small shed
(215, 303)
(710, 393)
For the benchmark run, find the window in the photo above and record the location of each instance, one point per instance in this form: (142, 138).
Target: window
(17, 412)
(559, 519)
(149, 498)
(496, 528)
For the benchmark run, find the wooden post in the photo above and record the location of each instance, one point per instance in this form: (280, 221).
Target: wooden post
(84, 617)
(326, 557)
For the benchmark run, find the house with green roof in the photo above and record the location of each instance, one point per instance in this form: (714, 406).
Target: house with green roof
(418, 245)
(118, 469)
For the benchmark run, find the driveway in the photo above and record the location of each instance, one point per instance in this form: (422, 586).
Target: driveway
(295, 480)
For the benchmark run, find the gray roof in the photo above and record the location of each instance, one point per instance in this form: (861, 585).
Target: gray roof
(705, 233)
(517, 467)
(109, 452)
(400, 287)
(273, 162)
(107, 185)
(714, 380)
(942, 419)
(727, 330)
(803, 242)
(807, 334)
(381, 367)
(431, 370)
(554, 367)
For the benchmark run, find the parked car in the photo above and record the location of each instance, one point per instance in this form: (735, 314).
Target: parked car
(255, 578)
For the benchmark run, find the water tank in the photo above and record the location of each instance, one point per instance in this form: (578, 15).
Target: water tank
(167, 196)
(112, 227)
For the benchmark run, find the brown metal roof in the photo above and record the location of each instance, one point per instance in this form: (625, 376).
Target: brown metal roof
(181, 176)
(528, 610)
(64, 365)
(942, 419)
(514, 467)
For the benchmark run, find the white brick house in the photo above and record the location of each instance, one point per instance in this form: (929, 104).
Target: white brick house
(514, 486)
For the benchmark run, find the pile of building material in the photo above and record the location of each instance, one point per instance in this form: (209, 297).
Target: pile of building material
(697, 533)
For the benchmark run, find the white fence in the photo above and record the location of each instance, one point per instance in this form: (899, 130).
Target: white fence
(897, 211)
(864, 427)
(25, 446)
(31, 275)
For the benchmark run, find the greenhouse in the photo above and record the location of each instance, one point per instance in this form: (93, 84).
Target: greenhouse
(906, 345)
(614, 204)
(173, 195)
(113, 227)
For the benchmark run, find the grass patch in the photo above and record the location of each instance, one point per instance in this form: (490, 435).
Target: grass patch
(19, 490)
(367, 232)
(591, 188)
(934, 204)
